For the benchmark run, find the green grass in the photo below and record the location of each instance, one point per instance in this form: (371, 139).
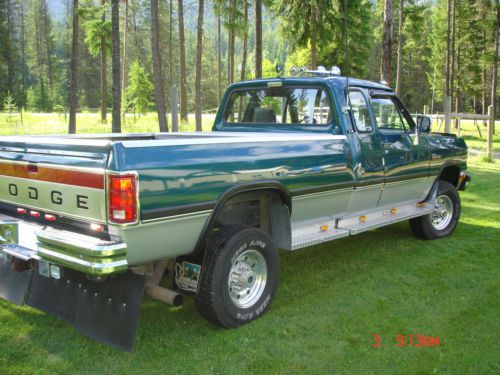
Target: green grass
(86, 122)
(332, 299)
(471, 135)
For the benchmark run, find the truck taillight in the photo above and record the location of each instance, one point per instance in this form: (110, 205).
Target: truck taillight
(122, 198)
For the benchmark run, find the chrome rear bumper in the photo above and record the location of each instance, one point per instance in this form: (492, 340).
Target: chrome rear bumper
(87, 254)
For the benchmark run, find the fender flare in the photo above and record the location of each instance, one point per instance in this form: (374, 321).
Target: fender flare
(270, 185)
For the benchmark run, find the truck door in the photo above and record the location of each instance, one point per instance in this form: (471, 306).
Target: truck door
(368, 164)
(406, 155)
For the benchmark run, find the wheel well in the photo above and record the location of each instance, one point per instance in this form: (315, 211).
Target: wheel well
(450, 174)
(263, 209)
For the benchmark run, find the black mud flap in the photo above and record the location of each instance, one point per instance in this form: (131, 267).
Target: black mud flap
(13, 285)
(106, 311)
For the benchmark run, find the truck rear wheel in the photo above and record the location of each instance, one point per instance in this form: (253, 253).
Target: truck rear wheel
(239, 277)
(443, 221)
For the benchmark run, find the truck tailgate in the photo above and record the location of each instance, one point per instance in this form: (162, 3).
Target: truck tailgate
(61, 175)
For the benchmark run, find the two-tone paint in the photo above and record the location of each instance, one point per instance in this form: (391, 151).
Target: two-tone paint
(329, 170)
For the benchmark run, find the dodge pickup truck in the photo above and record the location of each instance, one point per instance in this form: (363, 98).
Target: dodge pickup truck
(88, 223)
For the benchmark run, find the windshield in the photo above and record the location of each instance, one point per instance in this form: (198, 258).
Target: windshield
(279, 105)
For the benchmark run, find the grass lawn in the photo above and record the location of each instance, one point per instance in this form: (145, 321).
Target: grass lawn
(86, 122)
(332, 299)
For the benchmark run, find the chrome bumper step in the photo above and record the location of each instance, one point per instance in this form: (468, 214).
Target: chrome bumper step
(90, 255)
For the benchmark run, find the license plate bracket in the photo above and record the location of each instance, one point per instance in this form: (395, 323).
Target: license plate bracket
(9, 232)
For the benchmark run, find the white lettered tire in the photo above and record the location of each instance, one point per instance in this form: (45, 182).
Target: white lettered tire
(240, 276)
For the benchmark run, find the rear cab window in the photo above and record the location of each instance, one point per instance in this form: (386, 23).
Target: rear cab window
(282, 107)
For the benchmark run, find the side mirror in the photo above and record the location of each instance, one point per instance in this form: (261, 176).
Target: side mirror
(424, 124)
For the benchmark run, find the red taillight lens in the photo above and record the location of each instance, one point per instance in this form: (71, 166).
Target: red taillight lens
(122, 199)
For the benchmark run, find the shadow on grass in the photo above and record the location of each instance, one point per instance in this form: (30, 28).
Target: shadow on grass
(344, 283)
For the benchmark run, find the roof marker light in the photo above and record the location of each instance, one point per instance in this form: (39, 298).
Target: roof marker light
(21, 211)
(35, 213)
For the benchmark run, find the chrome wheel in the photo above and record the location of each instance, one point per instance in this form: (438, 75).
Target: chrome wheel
(247, 278)
(443, 212)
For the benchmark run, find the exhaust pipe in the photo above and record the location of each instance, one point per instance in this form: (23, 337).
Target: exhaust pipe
(157, 292)
(164, 295)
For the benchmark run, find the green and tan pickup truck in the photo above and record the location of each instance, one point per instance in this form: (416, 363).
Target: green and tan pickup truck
(90, 222)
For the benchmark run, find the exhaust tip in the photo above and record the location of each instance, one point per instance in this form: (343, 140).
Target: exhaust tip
(178, 300)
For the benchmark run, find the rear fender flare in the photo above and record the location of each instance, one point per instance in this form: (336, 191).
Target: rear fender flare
(261, 186)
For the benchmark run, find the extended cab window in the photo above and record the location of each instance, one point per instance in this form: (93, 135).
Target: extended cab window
(359, 109)
(279, 105)
(388, 116)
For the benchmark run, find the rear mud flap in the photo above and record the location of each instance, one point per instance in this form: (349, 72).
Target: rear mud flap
(106, 311)
(13, 285)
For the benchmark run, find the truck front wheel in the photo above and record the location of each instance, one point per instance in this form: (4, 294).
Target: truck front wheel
(443, 221)
(239, 277)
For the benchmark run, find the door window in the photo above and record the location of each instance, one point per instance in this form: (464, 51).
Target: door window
(360, 112)
(389, 118)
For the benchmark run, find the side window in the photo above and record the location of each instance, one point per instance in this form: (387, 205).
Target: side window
(360, 113)
(388, 116)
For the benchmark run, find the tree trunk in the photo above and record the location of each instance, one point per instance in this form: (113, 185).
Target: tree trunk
(47, 42)
(385, 67)
(125, 48)
(104, 78)
(39, 60)
(447, 68)
(245, 41)
(73, 72)
(219, 61)
(157, 76)
(314, 35)
(258, 38)
(199, 56)
(452, 77)
(483, 79)
(8, 49)
(23, 54)
(170, 38)
(457, 90)
(494, 78)
(182, 62)
(115, 38)
(230, 49)
(400, 46)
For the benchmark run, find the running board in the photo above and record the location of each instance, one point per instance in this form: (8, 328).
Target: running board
(376, 219)
(314, 232)
(326, 229)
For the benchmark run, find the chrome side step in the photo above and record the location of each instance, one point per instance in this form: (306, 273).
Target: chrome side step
(314, 232)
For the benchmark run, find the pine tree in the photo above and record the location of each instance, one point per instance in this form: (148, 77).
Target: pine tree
(138, 91)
